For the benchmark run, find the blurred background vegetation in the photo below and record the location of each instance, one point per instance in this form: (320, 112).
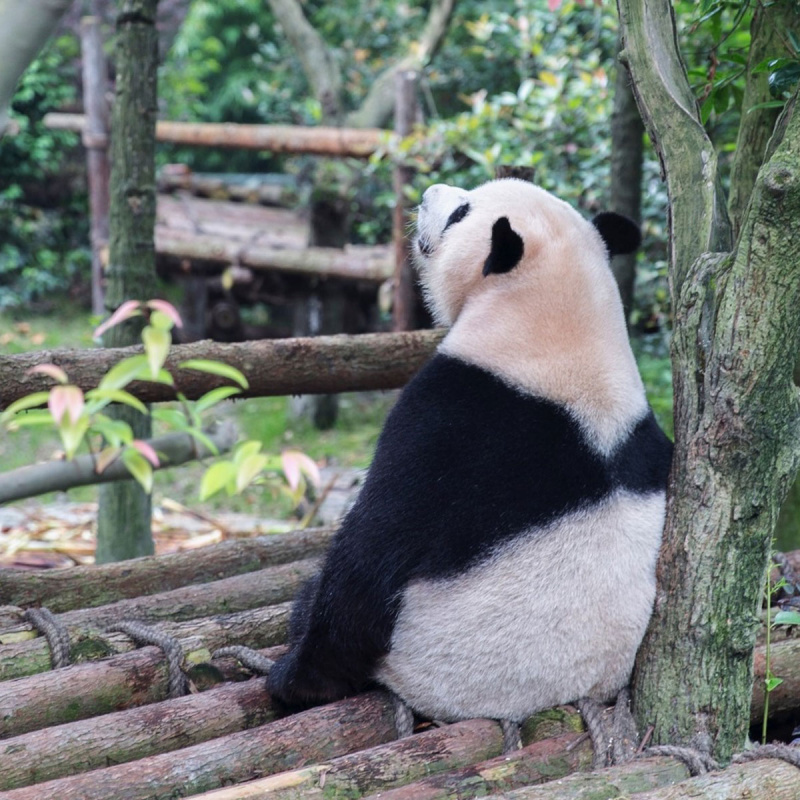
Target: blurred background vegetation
(513, 83)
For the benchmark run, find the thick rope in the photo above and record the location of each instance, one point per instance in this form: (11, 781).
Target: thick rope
(624, 735)
(512, 735)
(403, 717)
(785, 752)
(146, 635)
(56, 634)
(252, 659)
(592, 713)
(696, 761)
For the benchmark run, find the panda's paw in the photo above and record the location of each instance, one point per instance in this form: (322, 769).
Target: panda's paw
(512, 735)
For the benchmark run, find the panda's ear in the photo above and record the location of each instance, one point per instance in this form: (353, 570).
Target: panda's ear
(621, 234)
(507, 249)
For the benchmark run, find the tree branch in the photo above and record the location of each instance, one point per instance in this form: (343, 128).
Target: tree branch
(319, 65)
(58, 476)
(378, 105)
(698, 215)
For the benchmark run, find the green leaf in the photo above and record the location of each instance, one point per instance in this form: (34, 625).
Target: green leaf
(30, 419)
(772, 683)
(159, 320)
(201, 437)
(246, 449)
(157, 342)
(787, 618)
(115, 431)
(210, 399)
(172, 417)
(249, 469)
(216, 478)
(121, 374)
(216, 368)
(139, 468)
(24, 403)
(72, 434)
(106, 396)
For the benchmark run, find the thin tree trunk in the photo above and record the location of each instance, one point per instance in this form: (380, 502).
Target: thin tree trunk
(627, 152)
(277, 367)
(124, 512)
(259, 627)
(24, 29)
(136, 733)
(263, 587)
(99, 688)
(315, 735)
(82, 587)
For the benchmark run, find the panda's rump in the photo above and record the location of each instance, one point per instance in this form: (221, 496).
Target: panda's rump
(555, 614)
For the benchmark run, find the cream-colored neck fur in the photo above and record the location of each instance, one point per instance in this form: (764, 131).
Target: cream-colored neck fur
(566, 343)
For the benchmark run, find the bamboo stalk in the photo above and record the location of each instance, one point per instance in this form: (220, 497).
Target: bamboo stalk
(83, 587)
(316, 735)
(260, 627)
(96, 688)
(341, 142)
(263, 587)
(322, 365)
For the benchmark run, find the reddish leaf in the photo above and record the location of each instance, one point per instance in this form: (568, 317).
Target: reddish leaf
(147, 451)
(51, 370)
(130, 308)
(166, 308)
(65, 399)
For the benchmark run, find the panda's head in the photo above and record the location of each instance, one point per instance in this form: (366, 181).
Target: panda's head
(510, 233)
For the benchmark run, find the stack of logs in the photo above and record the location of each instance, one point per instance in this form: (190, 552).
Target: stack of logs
(105, 726)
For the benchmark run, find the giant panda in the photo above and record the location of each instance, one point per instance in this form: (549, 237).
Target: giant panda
(500, 558)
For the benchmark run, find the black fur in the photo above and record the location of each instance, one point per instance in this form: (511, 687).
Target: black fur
(456, 432)
(621, 234)
(507, 249)
(457, 216)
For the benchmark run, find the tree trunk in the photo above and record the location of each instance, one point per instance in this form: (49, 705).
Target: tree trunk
(277, 367)
(627, 152)
(136, 733)
(123, 517)
(82, 587)
(99, 688)
(315, 735)
(238, 593)
(259, 627)
(24, 29)
(736, 409)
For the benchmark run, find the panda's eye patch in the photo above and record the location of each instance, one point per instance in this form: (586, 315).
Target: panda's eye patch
(457, 216)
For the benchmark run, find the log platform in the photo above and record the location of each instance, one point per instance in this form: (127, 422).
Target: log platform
(109, 725)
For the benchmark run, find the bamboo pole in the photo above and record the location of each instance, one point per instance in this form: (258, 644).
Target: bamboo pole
(260, 627)
(353, 262)
(62, 750)
(316, 735)
(262, 587)
(99, 688)
(82, 587)
(325, 364)
(321, 141)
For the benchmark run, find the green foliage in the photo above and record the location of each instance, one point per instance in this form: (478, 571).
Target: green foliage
(42, 218)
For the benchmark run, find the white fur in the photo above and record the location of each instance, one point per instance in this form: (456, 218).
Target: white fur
(552, 327)
(553, 616)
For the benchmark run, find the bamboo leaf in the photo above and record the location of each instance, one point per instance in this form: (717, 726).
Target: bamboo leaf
(210, 399)
(216, 368)
(121, 374)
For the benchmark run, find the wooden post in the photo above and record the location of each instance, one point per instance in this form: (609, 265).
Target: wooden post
(95, 140)
(405, 298)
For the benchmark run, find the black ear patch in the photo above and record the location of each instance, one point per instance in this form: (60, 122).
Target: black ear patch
(507, 249)
(620, 233)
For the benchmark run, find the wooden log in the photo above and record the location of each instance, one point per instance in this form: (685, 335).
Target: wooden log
(767, 779)
(316, 735)
(379, 768)
(322, 365)
(353, 262)
(84, 587)
(321, 141)
(239, 189)
(260, 627)
(49, 476)
(95, 688)
(263, 587)
(785, 664)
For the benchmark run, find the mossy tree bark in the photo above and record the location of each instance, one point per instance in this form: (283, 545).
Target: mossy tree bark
(123, 520)
(737, 414)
